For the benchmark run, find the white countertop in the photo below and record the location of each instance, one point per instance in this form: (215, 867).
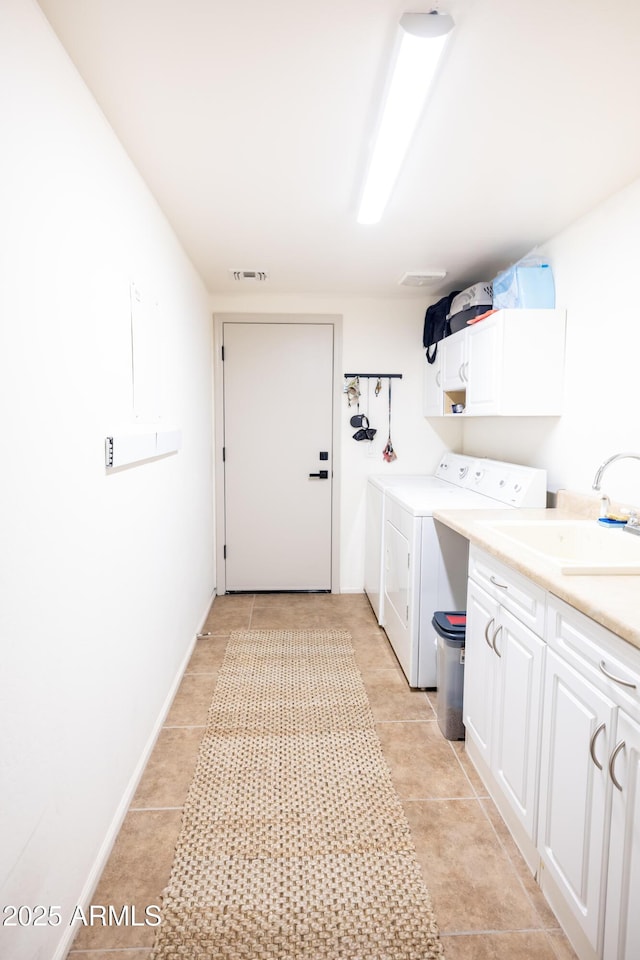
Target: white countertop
(613, 601)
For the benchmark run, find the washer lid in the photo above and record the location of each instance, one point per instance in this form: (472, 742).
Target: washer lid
(409, 481)
(422, 501)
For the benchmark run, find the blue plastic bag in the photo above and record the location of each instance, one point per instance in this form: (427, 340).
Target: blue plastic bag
(527, 285)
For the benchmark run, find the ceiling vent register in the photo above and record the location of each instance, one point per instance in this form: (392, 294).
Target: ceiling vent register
(421, 278)
(252, 276)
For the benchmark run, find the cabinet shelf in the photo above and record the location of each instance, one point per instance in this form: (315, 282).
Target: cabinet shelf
(451, 397)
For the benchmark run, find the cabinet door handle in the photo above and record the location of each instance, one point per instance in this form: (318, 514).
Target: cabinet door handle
(438, 379)
(616, 750)
(486, 632)
(465, 368)
(461, 371)
(592, 745)
(493, 640)
(496, 583)
(625, 683)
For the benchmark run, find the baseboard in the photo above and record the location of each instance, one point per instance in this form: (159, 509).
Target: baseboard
(557, 901)
(552, 893)
(90, 884)
(521, 838)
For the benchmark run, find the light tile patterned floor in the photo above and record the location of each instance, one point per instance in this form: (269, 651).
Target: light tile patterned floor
(487, 904)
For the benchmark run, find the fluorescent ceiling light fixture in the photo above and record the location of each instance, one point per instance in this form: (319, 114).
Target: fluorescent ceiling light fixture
(418, 50)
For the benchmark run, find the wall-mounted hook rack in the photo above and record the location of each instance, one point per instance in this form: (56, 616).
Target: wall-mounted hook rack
(375, 376)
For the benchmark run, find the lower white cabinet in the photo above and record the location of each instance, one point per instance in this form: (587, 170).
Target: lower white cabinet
(579, 726)
(504, 662)
(622, 918)
(552, 719)
(589, 831)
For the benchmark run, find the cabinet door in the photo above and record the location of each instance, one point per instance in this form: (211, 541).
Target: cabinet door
(396, 602)
(432, 386)
(484, 364)
(454, 357)
(479, 670)
(516, 747)
(577, 738)
(622, 923)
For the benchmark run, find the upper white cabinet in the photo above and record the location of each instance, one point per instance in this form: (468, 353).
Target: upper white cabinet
(454, 359)
(432, 399)
(510, 364)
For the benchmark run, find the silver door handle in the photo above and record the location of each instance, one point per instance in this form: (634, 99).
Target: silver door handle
(493, 640)
(625, 683)
(486, 632)
(496, 583)
(592, 745)
(618, 747)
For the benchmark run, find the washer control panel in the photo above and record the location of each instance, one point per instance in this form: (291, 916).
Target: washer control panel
(511, 484)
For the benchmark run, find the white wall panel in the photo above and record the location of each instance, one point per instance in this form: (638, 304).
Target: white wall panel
(105, 576)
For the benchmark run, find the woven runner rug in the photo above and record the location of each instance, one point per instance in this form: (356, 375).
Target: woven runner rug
(294, 843)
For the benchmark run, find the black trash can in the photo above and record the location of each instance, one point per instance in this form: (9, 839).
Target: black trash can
(450, 627)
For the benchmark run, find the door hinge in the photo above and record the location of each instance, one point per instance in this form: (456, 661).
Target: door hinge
(224, 454)
(224, 552)
(409, 561)
(222, 352)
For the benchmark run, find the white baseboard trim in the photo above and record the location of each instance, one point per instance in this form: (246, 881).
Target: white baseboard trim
(100, 862)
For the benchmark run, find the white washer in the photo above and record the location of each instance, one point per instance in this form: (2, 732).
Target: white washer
(415, 565)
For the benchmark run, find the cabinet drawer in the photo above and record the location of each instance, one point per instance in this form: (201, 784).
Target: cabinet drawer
(524, 599)
(610, 663)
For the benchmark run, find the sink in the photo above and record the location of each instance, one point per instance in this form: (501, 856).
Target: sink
(579, 547)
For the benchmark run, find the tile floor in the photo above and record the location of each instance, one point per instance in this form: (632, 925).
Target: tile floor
(488, 907)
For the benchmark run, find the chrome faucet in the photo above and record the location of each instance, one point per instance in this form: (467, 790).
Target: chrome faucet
(633, 524)
(603, 466)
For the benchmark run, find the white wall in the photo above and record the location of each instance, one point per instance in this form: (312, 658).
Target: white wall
(595, 265)
(379, 336)
(105, 579)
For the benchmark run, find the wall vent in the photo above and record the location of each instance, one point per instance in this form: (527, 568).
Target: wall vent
(252, 276)
(421, 278)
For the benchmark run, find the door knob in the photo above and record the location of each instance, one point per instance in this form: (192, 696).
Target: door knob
(322, 475)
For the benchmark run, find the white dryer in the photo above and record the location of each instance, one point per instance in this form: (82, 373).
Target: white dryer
(416, 565)
(375, 518)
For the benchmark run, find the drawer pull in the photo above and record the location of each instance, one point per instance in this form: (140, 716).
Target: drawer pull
(592, 745)
(486, 632)
(618, 747)
(493, 641)
(625, 683)
(496, 583)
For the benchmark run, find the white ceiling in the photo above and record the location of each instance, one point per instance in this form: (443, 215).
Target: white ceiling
(250, 121)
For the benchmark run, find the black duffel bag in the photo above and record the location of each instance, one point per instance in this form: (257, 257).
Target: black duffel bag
(436, 325)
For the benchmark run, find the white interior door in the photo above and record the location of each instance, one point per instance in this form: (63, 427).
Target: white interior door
(278, 415)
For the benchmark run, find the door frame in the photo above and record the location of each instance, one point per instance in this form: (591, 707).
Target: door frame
(335, 320)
